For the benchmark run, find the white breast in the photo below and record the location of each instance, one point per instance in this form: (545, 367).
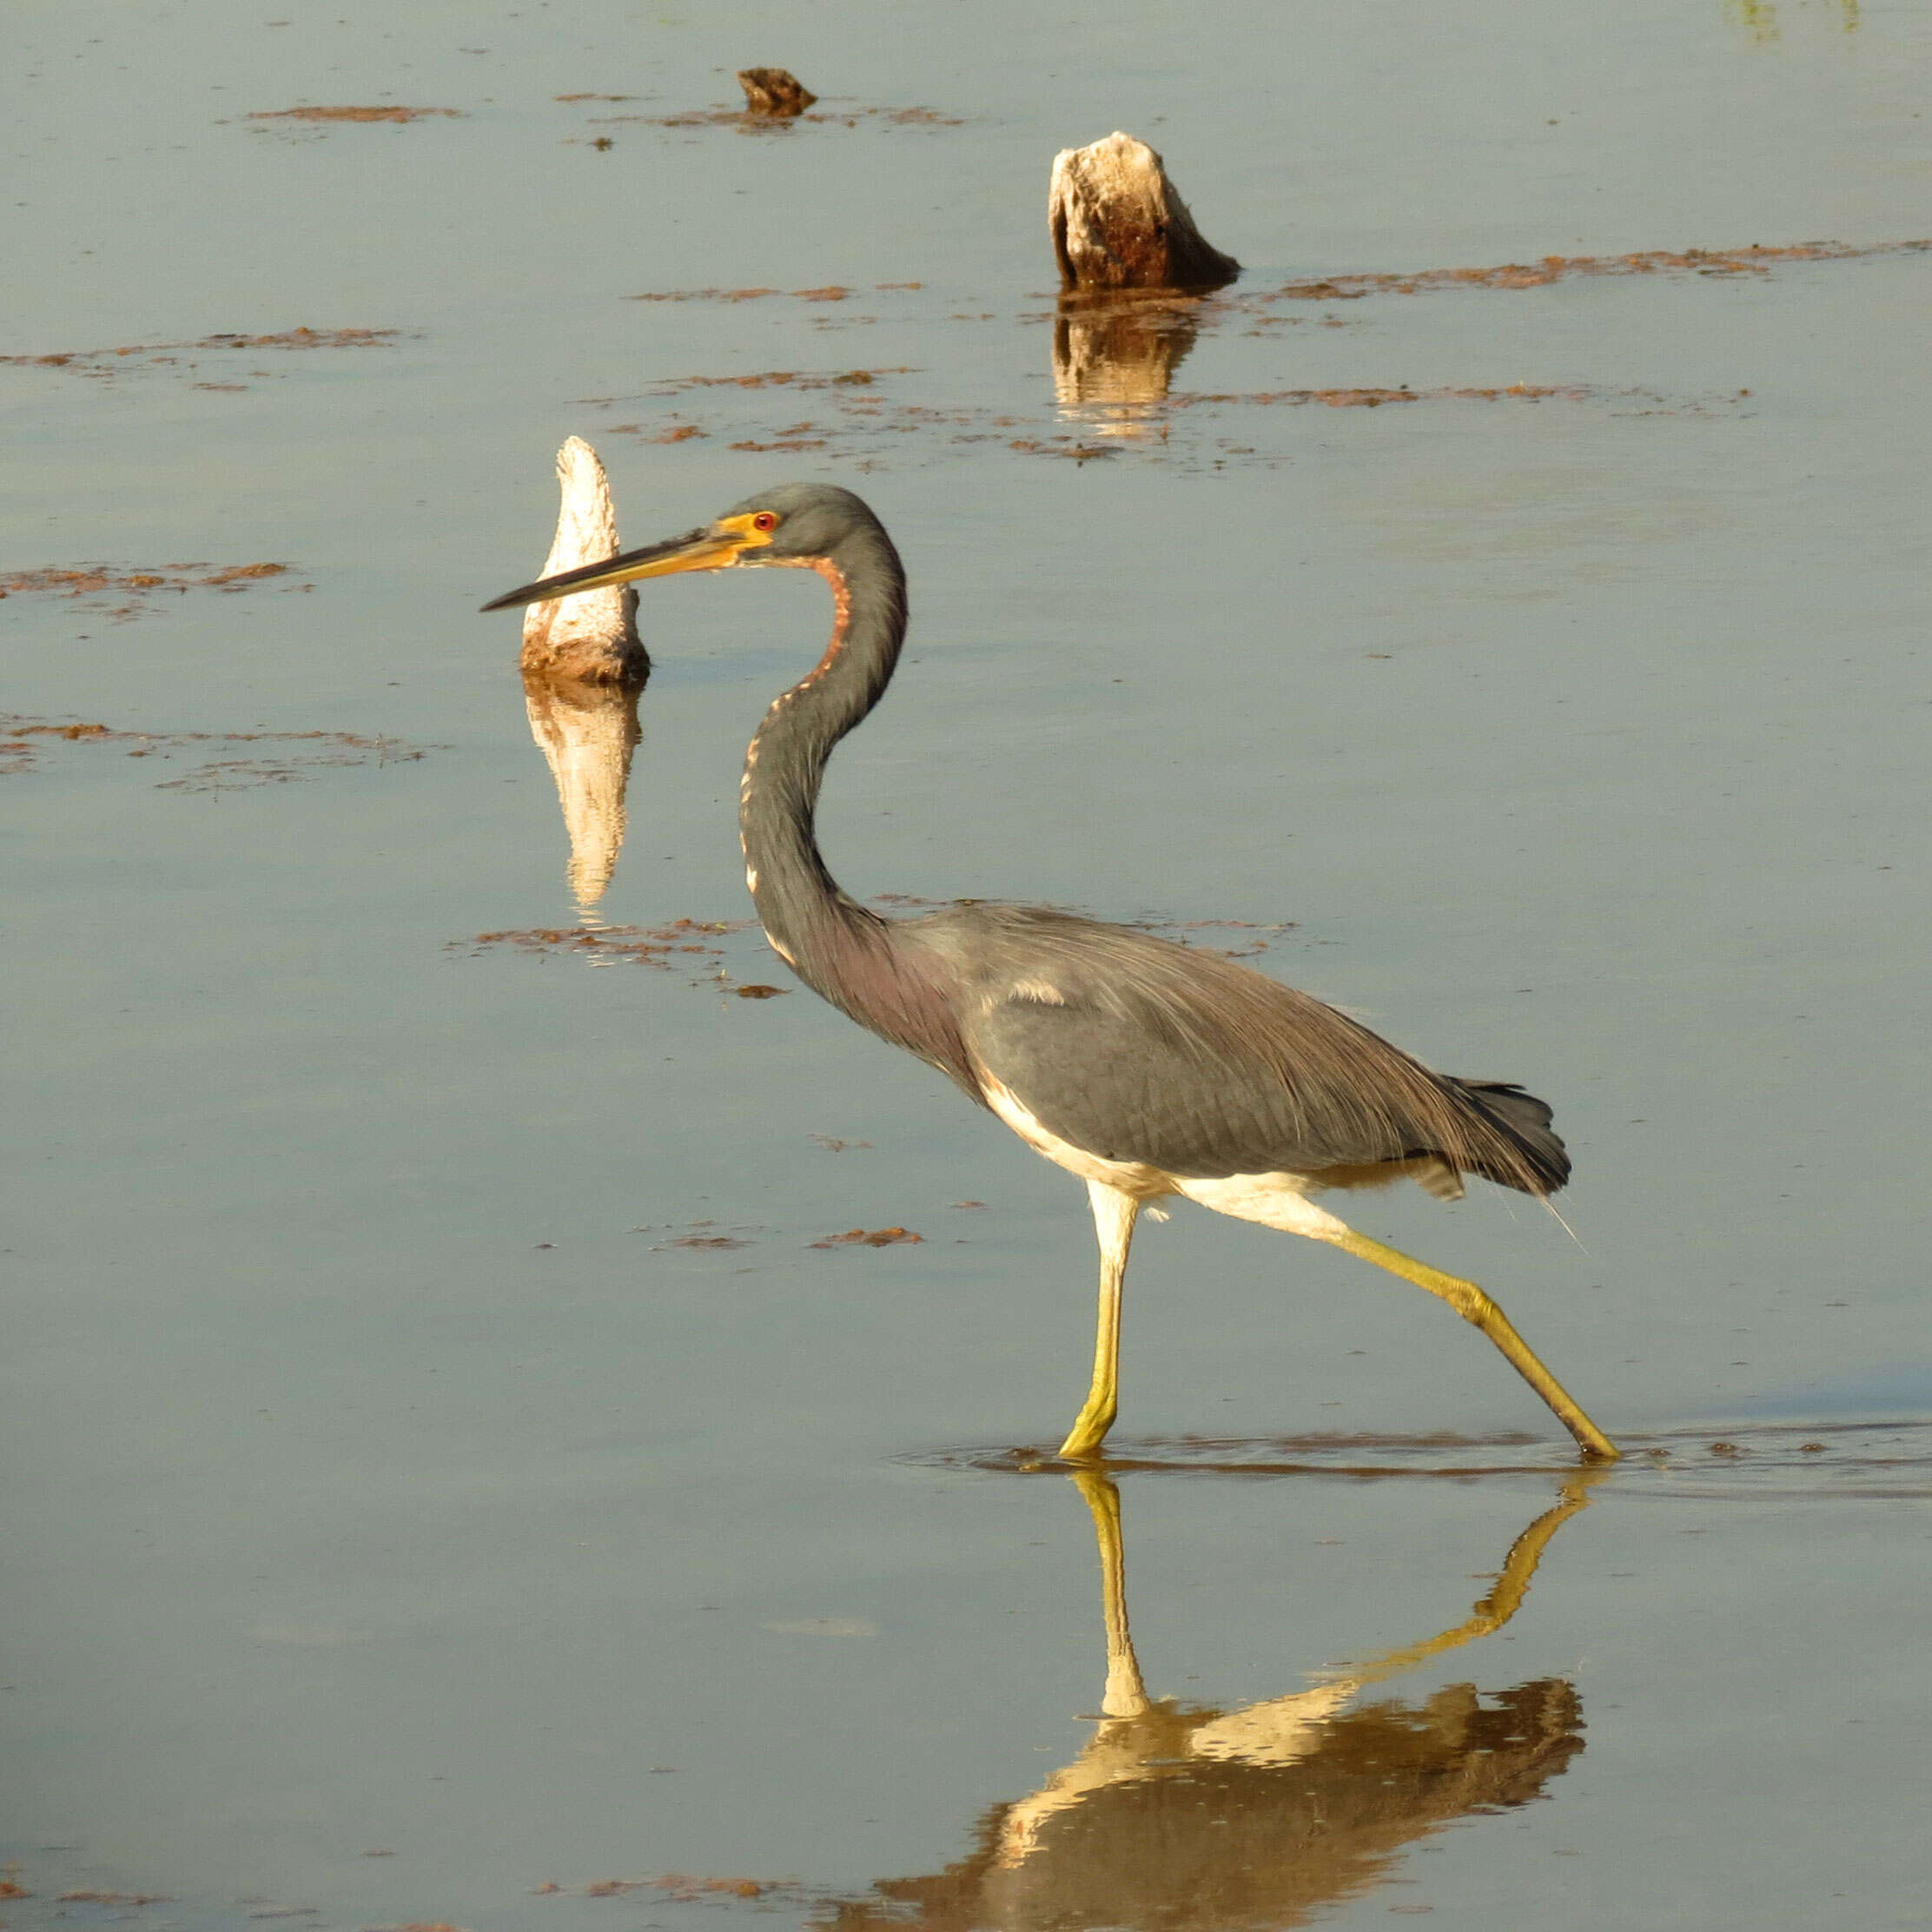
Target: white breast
(1131, 1177)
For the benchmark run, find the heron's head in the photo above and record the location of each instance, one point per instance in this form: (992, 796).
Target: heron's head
(794, 523)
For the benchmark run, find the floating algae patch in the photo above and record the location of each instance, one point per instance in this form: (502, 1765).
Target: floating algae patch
(781, 378)
(866, 417)
(106, 363)
(358, 114)
(749, 121)
(22, 740)
(125, 587)
(664, 947)
(1753, 261)
(831, 292)
(682, 1888)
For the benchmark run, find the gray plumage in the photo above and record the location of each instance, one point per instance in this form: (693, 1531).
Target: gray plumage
(1138, 1050)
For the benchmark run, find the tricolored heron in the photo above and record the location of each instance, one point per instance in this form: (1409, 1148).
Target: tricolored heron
(1147, 1068)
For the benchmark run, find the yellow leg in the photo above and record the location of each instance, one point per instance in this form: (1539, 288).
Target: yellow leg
(1114, 1217)
(1474, 1306)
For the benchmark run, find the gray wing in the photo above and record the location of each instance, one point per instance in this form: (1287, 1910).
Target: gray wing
(1138, 1050)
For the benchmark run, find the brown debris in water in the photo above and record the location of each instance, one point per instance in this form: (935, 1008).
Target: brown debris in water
(778, 379)
(831, 292)
(758, 991)
(863, 416)
(95, 580)
(698, 1235)
(773, 90)
(861, 1237)
(758, 294)
(1081, 452)
(680, 1886)
(866, 420)
(708, 294)
(358, 114)
(106, 362)
(751, 120)
(245, 774)
(329, 749)
(661, 946)
(91, 1897)
(1753, 261)
(1374, 398)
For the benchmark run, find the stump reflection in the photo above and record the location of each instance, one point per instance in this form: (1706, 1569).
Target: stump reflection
(587, 733)
(1115, 354)
(584, 666)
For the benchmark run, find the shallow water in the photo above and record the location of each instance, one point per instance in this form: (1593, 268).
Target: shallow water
(444, 1465)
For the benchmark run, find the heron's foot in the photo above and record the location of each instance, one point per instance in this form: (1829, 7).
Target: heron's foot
(1089, 1432)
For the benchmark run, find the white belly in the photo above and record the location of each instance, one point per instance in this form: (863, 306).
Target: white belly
(1274, 1200)
(1131, 1177)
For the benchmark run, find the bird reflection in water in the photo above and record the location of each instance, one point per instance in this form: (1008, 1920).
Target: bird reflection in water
(1187, 1819)
(583, 670)
(1115, 352)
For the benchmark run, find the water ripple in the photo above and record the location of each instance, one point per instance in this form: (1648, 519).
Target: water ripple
(1786, 1460)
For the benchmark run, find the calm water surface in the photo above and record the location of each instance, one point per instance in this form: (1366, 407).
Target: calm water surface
(447, 1484)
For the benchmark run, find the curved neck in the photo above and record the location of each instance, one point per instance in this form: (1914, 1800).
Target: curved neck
(863, 964)
(811, 923)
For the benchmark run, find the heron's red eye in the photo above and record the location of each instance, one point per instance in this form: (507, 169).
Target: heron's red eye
(765, 520)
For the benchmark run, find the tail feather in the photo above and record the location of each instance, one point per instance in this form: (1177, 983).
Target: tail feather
(1525, 1121)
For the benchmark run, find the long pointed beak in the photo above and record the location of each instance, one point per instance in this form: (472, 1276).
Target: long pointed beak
(708, 549)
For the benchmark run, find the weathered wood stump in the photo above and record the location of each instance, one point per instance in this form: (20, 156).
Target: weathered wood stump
(594, 635)
(583, 667)
(772, 90)
(1117, 223)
